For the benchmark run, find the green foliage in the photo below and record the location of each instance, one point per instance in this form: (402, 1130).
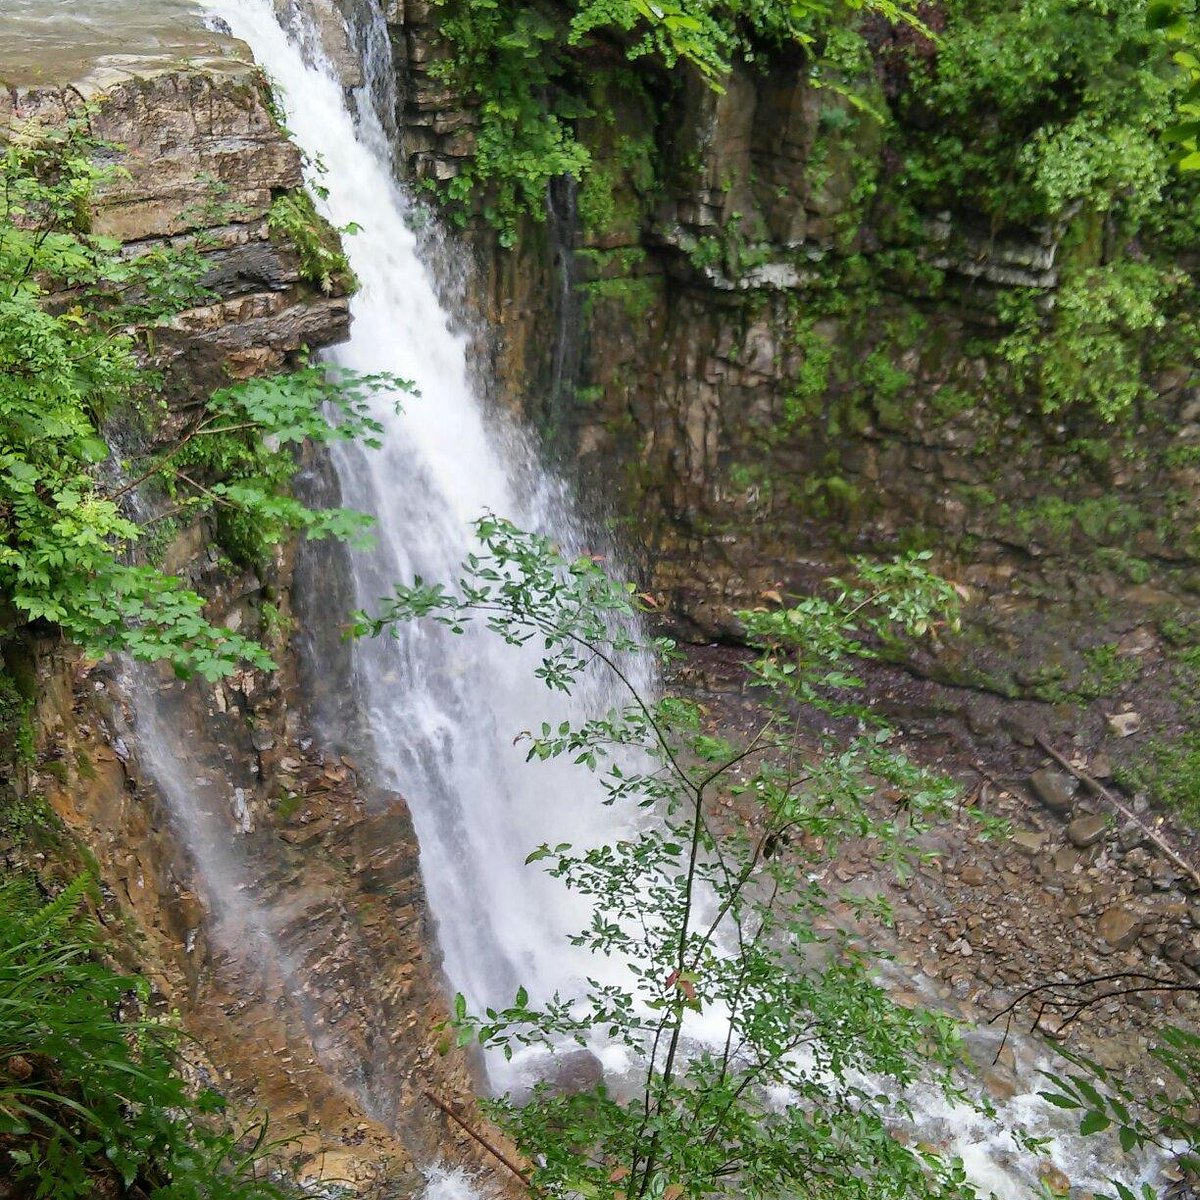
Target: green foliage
(810, 383)
(621, 178)
(1105, 672)
(1178, 24)
(527, 63)
(90, 1104)
(703, 921)
(64, 556)
(16, 732)
(617, 281)
(1167, 766)
(1093, 350)
(322, 260)
(1168, 770)
(1028, 110)
(243, 446)
(510, 55)
(1060, 521)
(1165, 1119)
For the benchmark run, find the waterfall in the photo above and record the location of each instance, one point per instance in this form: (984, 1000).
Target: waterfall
(442, 710)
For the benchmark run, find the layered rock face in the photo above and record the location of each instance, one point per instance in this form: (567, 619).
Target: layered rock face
(744, 376)
(748, 372)
(201, 160)
(271, 897)
(698, 315)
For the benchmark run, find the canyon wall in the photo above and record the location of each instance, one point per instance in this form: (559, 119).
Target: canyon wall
(754, 369)
(753, 372)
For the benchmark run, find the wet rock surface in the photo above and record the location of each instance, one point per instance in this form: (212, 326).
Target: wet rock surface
(201, 159)
(272, 899)
(304, 965)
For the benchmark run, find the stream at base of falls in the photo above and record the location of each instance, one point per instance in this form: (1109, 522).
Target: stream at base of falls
(440, 711)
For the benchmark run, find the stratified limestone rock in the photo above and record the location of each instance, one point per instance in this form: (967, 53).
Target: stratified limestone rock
(314, 994)
(201, 157)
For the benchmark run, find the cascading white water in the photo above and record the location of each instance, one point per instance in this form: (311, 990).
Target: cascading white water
(442, 710)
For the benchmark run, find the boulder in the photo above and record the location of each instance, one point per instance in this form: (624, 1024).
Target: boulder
(1119, 927)
(574, 1072)
(1087, 831)
(1054, 789)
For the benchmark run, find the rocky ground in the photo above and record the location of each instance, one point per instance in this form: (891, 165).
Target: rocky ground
(1071, 891)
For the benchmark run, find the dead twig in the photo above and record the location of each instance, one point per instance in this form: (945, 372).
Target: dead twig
(1073, 998)
(493, 1150)
(1100, 790)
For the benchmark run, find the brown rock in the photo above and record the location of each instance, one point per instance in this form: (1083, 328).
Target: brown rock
(1054, 789)
(1087, 831)
(1119, 927)
(1030, 841)
(1066, 860)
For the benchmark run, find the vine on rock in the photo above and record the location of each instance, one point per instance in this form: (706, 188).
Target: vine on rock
(72, 304)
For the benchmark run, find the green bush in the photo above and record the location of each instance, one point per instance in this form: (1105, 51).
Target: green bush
(89, 1104)
(530, 66)
(64, 367)
(1093, 350)
(322, 260)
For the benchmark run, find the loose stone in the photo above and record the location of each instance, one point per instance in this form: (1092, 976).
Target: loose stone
(1119, 927)
(1054, 789)
(1087, 831)
(1124, 724)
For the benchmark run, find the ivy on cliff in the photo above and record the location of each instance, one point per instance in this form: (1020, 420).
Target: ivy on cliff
(531, 64)
(71, 303)
(1069, 114)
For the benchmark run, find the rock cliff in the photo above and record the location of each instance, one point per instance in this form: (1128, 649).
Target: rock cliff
(752, 372)
(314, 998)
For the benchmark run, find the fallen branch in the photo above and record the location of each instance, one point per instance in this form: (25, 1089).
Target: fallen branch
(493, 1150)
(1100, 790)
(1073, 999)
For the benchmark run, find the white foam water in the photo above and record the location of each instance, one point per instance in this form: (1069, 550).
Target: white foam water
(442, 710)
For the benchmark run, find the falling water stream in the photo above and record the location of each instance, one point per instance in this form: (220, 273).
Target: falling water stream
(441, 709)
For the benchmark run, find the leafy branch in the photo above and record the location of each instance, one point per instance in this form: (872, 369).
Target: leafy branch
(707, 921)
(71, 308)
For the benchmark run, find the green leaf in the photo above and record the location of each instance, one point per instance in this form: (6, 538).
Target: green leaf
(1160, 14)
